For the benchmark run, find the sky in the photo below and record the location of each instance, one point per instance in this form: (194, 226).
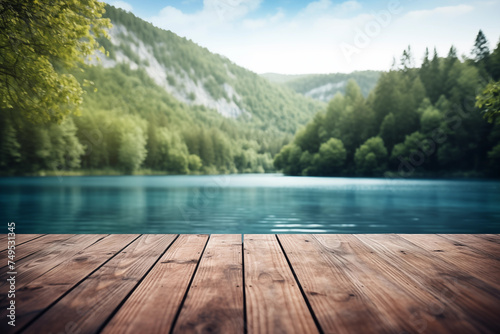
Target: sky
(323, 36)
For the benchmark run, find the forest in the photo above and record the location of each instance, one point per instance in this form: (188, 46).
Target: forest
(128, 124)
(418, 121)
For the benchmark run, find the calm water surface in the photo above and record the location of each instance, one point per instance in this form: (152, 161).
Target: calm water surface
(248, 204)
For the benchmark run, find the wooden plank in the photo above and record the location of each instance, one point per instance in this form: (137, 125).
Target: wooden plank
(36, 245)
(214, 303)
(23, 238)
(152, 307)
(337, 284)
(490, 237)
(19, 238)
(446, 298)
(89, 305)
(274, 302)
(470, 260)
(46, 259)
(35, 297)
(491, 249)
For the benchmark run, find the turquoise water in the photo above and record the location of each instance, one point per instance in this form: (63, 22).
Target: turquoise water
(248, 204)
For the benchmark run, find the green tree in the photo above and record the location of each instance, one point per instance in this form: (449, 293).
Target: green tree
(194, 163)
(388, 131)
(308, 138)
(449, 76)
(489, 101)
(371, 157)
(425, 71)
(417, 150)
(481, 50)
(132, 143)
(407, 61)
(494, 161)
(10, 149)
(65, 149)
(328, 125)
(37, 40)
(434, 84)
(173, 154)
(331, 158)
(481, 54)
(388, 96)
(288, 160)
(430, 120)
(495, 63)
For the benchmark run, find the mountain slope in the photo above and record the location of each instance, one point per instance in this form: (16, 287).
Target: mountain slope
(159, 104)
(323, 87)
(195, 76)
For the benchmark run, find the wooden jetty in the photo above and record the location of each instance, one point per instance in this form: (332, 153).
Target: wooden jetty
(259, 283)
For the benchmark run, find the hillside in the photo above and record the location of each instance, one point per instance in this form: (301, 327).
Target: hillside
(159, 103)
(283, 78)
(323, 87)
(195, 76)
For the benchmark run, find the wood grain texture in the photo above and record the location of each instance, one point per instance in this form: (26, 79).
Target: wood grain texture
(477, 243)
(214, 303)
(36, 245)
(88, 306)
(469, 260)
(20, 239)
(489, 237)
(48, 288)
(48, 258)
(433, 286)
(280, 284)
(337, 284)
(274, 302)
(152, 307)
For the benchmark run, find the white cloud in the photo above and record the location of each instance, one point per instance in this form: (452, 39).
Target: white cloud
(123, 5)
(317, 7)
(441, 11)
(310, 40)
(327, 7)
(350, 6)
(264, 22)
(214, 12)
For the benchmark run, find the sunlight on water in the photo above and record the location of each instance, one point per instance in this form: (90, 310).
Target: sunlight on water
(249, 204)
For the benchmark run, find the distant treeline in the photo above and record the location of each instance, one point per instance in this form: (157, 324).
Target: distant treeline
(366, 80)
(131, 124)
(417, 121)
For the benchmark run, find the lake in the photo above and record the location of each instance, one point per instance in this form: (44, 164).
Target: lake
(264, 203)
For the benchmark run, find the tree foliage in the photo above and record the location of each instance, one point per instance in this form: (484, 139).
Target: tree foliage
(39, 40)
(417, 121)
(371, 157)
(489, 101)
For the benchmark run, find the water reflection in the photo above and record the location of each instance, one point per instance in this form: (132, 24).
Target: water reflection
(249, 204)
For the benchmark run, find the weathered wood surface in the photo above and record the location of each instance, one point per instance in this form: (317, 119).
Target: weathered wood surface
(364, 283)
(19, 240)
(215, 300)
(28, 248)
(153, 307)
(36, 296)
(273, 298)
(85, 308)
